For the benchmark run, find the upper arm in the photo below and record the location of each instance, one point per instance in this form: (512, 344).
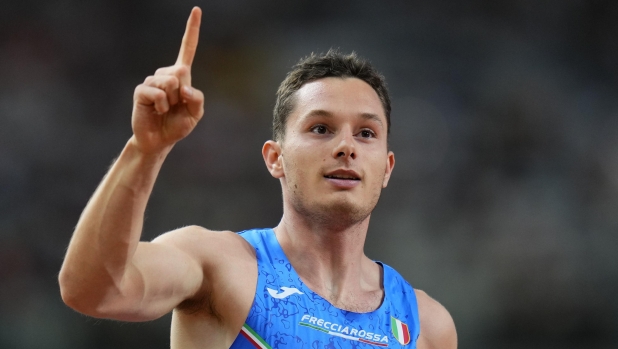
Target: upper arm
(437, 325)
(174, 267)
(161, 274)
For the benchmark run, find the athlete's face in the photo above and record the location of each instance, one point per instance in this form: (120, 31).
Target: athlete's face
(334, 159)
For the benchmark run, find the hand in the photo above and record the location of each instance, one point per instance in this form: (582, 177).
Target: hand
(166, 108)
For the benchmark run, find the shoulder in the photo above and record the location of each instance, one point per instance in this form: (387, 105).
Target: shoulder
(437, 326)
(225, 257)
(228, 263)
(204, 243)
(192, 233)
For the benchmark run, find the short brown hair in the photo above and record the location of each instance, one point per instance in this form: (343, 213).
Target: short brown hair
(318, 66)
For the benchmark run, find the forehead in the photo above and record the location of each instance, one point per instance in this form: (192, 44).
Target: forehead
(342, 96)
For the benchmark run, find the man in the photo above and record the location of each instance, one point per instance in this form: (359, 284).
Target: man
(306, 283)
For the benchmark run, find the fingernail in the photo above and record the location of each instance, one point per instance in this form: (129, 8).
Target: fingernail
(188, 90)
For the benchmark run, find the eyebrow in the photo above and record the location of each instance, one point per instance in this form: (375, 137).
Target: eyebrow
(323, 113)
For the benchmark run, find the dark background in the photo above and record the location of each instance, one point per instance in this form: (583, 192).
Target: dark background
(504, 200)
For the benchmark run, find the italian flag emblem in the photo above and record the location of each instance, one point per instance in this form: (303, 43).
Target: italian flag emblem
(400, 331)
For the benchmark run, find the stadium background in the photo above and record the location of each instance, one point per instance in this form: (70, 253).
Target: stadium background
(504, 200)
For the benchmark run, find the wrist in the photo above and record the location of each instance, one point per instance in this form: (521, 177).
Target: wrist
(156, 155)
(137, 169)
(135, 160)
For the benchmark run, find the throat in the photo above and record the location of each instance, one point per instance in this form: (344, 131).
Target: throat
(333, 264)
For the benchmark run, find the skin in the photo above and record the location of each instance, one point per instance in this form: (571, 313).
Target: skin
(208, 278)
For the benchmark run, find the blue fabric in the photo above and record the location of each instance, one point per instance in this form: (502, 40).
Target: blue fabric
(287, 314)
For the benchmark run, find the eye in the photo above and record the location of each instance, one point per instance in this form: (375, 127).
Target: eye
(319, 129)
(367, 134)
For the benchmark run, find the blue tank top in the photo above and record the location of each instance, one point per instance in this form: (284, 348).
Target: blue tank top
(287, 314)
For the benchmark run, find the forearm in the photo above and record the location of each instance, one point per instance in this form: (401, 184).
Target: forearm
(109, 229)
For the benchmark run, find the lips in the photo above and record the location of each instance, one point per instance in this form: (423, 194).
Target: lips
(343, 174)
(343, 179)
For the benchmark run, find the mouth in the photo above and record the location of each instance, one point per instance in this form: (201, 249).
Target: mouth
(347, 175)
(342, 177)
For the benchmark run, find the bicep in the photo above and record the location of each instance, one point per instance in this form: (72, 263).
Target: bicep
(161, 275)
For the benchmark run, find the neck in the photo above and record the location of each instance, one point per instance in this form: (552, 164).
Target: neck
(329, 258)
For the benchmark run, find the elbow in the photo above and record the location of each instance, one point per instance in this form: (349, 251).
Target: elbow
(64, 281)
(99, 299)
(70, 292)
(72, 301)
(78, 295)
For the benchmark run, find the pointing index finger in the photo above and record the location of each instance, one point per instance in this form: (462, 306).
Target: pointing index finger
(190, 39)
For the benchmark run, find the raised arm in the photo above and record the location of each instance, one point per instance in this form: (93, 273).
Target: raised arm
(107, 272)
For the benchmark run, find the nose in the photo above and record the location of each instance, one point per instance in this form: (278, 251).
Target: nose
(345, 147)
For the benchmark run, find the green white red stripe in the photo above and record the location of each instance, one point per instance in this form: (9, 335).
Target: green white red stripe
(253, 337)
(333, 333)
(400, 331)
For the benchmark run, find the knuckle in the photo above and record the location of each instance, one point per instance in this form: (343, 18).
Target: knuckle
(162, 71)
(182, 70)
(172, 82)
(160, 95)
(138, 89)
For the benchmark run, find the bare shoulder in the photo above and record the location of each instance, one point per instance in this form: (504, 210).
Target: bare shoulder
(227, 261)
(437, 325)
(229, 265)
(207, 244)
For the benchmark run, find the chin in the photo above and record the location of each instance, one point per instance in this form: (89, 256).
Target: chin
(341, 213)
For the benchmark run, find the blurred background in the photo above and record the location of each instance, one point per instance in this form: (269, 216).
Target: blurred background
(504, 200)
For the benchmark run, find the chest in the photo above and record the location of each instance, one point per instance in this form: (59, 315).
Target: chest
(361, 302)
(294, 317)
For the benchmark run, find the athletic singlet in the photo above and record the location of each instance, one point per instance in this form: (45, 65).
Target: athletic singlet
(287, 314)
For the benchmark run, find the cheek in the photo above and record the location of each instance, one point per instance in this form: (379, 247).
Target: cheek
(296, 168)
(378, 173)
(305, 157)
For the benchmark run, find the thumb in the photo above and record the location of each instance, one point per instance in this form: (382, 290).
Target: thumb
(194, 100)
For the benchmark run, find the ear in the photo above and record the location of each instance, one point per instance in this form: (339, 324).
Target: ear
(390, 164)
(271, 152)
